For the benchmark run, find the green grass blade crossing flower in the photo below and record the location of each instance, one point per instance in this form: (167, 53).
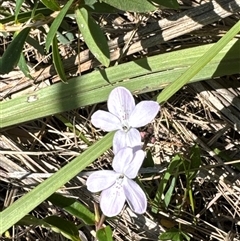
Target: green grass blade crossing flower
(29, 201)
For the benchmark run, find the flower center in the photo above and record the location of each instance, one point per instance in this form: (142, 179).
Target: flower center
(119, 181)
(125, 126)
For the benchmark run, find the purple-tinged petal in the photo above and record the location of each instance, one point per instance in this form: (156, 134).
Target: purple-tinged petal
(135, 196)
(101, 180)
(119, 141)
(106, 121)
(112, 200)
(122, 159)
(131, 138)
(143, 113)
(131, 169)
(121, 103)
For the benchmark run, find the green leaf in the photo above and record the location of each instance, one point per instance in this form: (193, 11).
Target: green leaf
(23, 66)
(57, 224)
(168, 195)
(32, 199)
(198, 65)
(163, 183)
(195, 162)
(17, 8)
(167, 3)
(52, 4)
(25, 16)
(148, 161)
(73, 207)
(65, 227)
(56, 23)
(140, 76)
(31, 220)
(93, 36)
(13, 52)
(57, 61)
(101, 7)
(174, 234)
(35, 44)
(141, 6)
(104, 234)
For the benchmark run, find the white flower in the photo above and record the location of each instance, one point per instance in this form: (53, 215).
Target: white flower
(117, 186)
(124, 116)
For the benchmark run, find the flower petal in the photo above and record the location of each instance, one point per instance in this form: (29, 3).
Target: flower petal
(122, 159)
(106, 121)
(119, 141)
(101, 180)
(112, 200)
(122, 139)
(135, 196)
(133, 138)
(121, 103)
(131, 168)
(143, 113)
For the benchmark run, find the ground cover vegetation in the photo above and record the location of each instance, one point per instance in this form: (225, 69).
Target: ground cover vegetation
(162, 77)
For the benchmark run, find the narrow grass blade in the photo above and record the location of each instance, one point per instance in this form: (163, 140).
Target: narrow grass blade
(56, 23)
(199, 64)
(32, 199)
(17, 8)
(57, 61)
(139, 76)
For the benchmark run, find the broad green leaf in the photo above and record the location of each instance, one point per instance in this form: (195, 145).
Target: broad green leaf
(140, 76)
(65, 227)
(104, 234)
(31, 220)
(57, 224)
(172, 234)
(56, 23)
(93, 36)
(101, 7)
(73, 207)
(52, 4)
(37, 195)
(12, 54)
(167, 3)
(17, 8)
(198, 65)
(57, 61)
(23, 66)
(141, 6)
